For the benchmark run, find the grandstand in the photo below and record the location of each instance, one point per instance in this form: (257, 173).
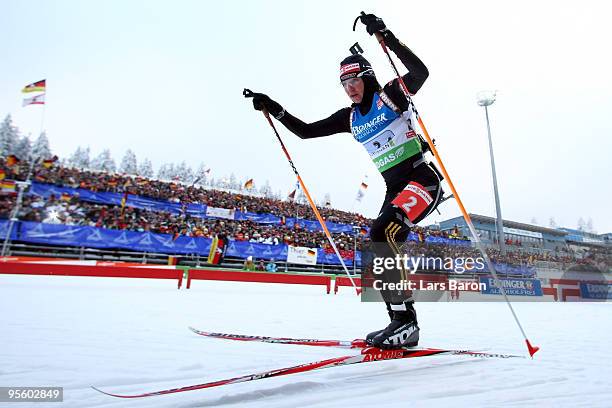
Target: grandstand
(560, 247)
(98, 215)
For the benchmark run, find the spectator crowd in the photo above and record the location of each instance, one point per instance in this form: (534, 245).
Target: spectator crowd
(70, 210)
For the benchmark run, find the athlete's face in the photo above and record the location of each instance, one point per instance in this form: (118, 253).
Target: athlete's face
(354, 89)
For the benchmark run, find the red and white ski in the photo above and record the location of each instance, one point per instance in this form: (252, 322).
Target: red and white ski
(357, 343)
(368, 355)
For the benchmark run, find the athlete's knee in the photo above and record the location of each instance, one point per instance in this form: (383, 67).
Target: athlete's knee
(377, 231)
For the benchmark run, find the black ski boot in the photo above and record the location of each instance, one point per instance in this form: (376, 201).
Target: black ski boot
(403, 331)
(370, 336)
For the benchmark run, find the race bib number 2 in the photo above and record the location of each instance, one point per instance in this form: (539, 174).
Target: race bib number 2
(413, 200)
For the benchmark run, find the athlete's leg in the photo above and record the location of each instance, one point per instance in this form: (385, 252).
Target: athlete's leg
(389, 230)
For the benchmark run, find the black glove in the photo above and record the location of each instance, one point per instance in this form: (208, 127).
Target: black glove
(263, 102)
(373, 24)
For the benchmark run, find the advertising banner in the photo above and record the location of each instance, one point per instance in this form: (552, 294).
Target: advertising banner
(302, 255)
(595, 290)
(514, 287)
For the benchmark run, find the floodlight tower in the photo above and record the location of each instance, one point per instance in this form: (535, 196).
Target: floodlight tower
(486, 99)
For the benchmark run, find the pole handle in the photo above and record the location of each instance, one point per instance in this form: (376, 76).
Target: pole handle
(357, 19)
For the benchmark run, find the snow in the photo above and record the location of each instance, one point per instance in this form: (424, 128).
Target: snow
(131, 336)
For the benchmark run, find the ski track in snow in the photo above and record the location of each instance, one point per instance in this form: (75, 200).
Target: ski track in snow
(131, 336)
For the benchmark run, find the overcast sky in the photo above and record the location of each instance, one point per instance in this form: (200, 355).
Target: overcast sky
(164, 78)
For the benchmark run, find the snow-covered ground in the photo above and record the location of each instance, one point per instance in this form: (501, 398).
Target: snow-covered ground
(131, 336)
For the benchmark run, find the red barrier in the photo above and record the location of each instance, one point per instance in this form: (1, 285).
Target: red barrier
(117, 271)
(238, 276)
(20, 268)
(550, 291)
(345, 281)
(565, 292)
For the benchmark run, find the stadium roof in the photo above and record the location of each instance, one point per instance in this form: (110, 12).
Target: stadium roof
(519, 225)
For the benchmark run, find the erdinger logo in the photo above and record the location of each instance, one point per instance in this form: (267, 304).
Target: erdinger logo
(370, 126)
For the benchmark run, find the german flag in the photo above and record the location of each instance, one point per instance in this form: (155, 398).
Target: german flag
(100, 221)
(39, 86)
(2, 174)
(124, 202)
(363, 231)
(7, 185)
(47, 164)
(249, 184)
(312, 252)
(65, 197)
(12, 160)
(291, 196)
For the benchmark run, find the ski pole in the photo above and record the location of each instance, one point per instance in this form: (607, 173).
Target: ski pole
(532, 349)
(249, 94)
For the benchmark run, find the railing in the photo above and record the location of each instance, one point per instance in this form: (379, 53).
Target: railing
(193, 260)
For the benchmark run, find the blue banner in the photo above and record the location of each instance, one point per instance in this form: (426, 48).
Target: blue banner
(515, 287)
(91, 237)
(195, 210)
(243, 249)
(595, 290)
(432, 239)
(4, 225)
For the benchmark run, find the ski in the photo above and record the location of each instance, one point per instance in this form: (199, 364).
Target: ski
(368, 355)
(358, 343)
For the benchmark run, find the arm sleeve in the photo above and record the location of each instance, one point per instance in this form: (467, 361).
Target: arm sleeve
(417, 71)
(338, 122)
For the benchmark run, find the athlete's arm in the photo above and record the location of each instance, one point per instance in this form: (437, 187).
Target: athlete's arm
(417, 71)
(338, 122)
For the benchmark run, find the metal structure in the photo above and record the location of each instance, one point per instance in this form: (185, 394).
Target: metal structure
(486, 99)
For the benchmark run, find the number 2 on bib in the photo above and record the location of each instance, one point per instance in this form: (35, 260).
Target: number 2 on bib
(413, 200)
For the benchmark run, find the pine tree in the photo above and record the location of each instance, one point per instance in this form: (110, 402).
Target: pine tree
(233, 183)
(104, 162)
(183, 172)
(23, 148)
(80, 158)
(327, 200)
(146, 168)
(166, 171)
(202, 174)
(41, 148)
(581, 224)
(129, 164)
(8, 137)
(266, 189)
(589, 226)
